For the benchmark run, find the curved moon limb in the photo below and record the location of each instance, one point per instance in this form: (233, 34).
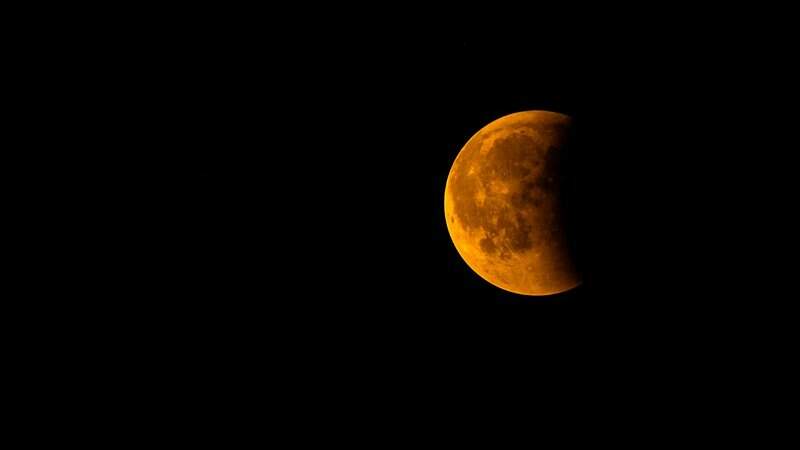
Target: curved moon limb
(502, 204)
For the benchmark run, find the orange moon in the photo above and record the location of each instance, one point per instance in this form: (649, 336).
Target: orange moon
(502, 204)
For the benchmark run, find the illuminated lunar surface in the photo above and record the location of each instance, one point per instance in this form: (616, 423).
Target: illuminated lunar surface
(502, 204)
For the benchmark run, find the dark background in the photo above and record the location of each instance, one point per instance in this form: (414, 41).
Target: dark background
(281, 240)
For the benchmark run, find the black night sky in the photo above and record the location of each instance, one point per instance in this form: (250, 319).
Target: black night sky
(281, 248)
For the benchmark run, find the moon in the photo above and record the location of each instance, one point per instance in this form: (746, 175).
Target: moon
(503, 204)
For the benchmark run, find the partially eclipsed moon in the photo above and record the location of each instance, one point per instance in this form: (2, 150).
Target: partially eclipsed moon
(502, 204)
